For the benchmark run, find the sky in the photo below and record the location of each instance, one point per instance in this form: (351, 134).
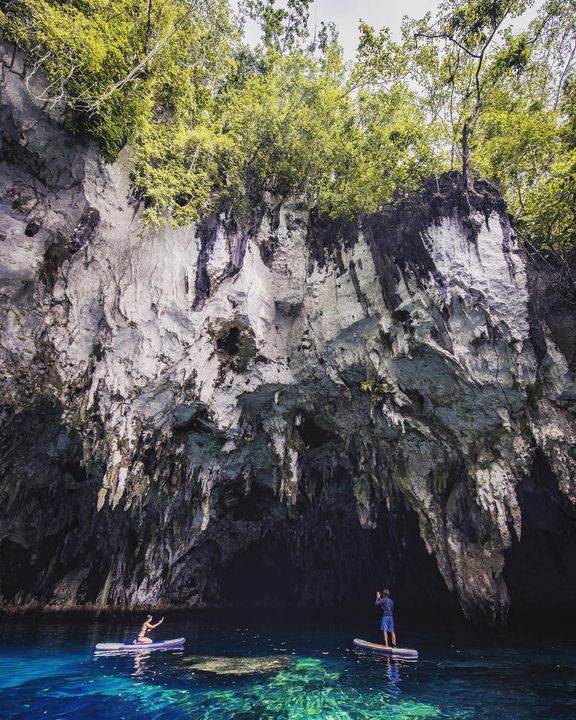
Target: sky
(346, 14)
(380, 13)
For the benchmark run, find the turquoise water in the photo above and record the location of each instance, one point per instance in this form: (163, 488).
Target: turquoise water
(49, 670)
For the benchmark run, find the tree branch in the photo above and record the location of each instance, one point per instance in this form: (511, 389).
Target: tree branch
(444, 36)
(562, 78)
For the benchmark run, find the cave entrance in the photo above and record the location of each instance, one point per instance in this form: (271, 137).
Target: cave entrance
(331, 562)
(312, 434)
(540, 569)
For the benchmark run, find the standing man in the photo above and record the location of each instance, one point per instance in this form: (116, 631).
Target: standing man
(384, 600)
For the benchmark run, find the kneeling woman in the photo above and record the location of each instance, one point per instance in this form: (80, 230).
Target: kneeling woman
(145, 629)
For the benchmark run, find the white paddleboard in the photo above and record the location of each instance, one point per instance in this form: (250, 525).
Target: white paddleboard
(367, 646)
(109, 647)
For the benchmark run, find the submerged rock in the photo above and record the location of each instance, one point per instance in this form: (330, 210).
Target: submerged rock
(277, 410)
(218, 665)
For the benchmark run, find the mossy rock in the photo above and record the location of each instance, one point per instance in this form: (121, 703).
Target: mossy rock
(218, 665)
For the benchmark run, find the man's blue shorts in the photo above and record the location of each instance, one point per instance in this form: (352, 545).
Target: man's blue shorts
(387, 623)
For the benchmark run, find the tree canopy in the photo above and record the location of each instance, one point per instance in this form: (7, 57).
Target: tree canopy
(206, 117)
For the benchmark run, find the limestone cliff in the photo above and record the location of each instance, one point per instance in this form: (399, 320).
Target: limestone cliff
(272, 409)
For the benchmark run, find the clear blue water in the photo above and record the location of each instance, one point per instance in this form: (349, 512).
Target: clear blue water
(48, 670)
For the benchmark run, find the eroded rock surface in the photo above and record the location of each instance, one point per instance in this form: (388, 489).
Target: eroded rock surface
(274, 409)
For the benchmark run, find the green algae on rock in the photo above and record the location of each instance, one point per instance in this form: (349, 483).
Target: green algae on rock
(220, 665)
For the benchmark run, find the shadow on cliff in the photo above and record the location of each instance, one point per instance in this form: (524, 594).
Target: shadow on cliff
(540, 569)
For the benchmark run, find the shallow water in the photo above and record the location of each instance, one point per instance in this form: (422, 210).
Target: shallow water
(48, 670)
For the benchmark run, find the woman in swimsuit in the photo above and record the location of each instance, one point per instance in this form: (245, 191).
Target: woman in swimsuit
(145, 629)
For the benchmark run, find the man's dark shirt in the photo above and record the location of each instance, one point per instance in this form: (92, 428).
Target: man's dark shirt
(387, 605)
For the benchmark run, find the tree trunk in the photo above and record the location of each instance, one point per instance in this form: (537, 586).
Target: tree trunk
(466, 155)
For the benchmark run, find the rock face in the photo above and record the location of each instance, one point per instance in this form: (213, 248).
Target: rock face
(280, 409)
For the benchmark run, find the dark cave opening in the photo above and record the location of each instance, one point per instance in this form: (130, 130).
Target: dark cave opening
(75, 470)
(230, 342)
(341, 574)
(46, 520)
(320, 557)
(252, 507)
(540, 569)
(26, 566)
(312, 434)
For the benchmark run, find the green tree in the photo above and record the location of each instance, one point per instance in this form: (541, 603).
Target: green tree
(471, 53)
(140, 72)
(282, 27)
(205, 117)
(525, 141)
(349, 141)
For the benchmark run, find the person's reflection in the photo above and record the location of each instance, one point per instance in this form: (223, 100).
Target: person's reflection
(140, 662)
(393, 674)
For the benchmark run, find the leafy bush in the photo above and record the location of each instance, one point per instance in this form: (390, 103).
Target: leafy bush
(139, 72)
(207, 118)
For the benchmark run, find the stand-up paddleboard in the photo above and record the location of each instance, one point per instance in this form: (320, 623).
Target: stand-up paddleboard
(163, 644)
(405, 653)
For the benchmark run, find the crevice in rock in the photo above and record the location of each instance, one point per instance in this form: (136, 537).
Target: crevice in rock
(235, 345)
(237, 235)
(207, 232)
(312, 433)
(228, 343)
(362, 299)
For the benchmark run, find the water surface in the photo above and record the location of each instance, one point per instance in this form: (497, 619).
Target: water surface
(48, 670)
